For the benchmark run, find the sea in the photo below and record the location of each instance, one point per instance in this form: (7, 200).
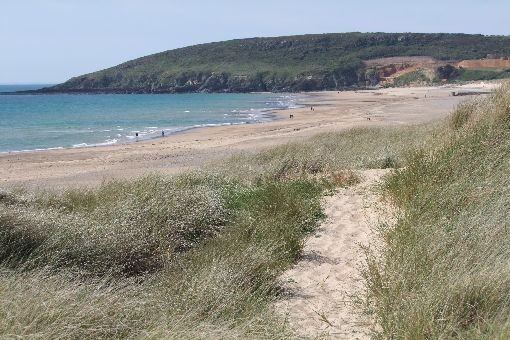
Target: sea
(56, 121)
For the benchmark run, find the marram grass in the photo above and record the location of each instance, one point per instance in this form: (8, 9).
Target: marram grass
(186, 257)
(443, 271)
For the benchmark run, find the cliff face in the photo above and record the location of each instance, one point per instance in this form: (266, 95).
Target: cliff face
(283, 64)
(212, 82)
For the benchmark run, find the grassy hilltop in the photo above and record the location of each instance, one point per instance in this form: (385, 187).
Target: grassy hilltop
(292, 63)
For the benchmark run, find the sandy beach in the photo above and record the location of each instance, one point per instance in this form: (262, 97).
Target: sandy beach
(333, 111)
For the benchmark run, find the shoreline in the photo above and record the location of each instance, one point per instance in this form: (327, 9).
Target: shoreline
(191, 149)
(142, 140)
(264, 115)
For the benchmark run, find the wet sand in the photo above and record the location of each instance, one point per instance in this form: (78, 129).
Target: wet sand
(333, 111)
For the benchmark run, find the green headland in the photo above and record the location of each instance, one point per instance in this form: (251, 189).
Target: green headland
(303, 63)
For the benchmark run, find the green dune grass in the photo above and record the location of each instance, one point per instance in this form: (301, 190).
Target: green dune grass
(443, 271)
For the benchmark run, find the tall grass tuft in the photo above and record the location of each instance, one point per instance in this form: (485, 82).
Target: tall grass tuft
(122, 227)
(443, 271)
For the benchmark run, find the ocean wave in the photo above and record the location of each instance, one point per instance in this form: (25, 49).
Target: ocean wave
(32, 150)
(106, 142)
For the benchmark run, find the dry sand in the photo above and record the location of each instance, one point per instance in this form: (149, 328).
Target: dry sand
(333, 111)
(322, 287)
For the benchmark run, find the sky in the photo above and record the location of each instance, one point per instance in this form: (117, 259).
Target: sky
(50, 41)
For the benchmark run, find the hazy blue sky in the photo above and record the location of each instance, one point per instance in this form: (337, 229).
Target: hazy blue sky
(53, 40)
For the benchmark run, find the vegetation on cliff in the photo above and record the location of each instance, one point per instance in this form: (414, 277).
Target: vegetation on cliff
(292, 63)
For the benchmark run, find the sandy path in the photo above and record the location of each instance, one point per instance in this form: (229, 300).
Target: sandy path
(322, 285)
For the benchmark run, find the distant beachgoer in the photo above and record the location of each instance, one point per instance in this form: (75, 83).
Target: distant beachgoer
(291, 116)
(162, 133)
(136, 135)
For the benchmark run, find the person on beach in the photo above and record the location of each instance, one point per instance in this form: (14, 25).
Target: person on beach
(162, 133)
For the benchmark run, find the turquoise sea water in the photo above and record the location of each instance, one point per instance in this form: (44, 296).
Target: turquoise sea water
(31, 122)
